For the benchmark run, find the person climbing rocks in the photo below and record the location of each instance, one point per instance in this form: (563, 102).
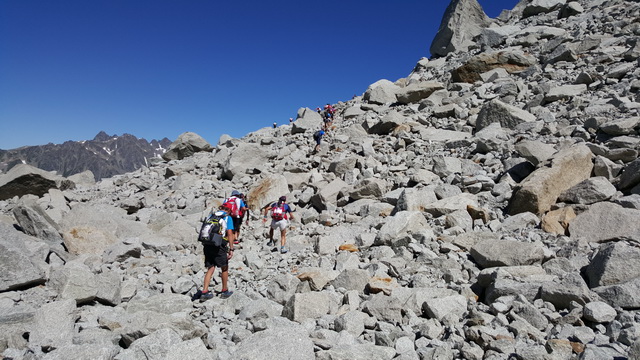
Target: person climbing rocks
(317, 137)
(218, 256)
(280, 215)
(238, 210)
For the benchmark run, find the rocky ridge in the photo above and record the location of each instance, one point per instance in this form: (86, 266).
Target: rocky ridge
(104, 155)
(485, 207)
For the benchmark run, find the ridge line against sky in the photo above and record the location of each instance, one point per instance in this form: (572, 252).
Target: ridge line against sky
(155, 69)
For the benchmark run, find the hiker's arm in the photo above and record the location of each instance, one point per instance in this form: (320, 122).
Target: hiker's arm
(231, 245)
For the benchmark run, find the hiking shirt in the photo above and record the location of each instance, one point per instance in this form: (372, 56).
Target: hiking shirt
(283, 207)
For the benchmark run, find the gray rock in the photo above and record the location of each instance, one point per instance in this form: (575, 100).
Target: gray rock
(401, 224)
(282, 287)
(84, 351)
(161, 303)
(381, 92)
(614, 263)
(564, 92)
(630, 175)
(589, 191)
(309, 305)
(536, 7)
(619, 127)
(155, 345)
(624, 295)
(462, 21)
(606, 221)
(190, 349)
(569, 288)
(36, 222)
(246, 158)
(508, 116)
(541, 189)
(74, 281)
(536, 152)
(438, 308)
(351, 321)
(186, 145)
(352, 279)
(19, 267)
(307, 120)
(417, 91)
(92, 228)
(490, 253)
(357, 352)
(25, 179)
(599, 312)
(53, 325)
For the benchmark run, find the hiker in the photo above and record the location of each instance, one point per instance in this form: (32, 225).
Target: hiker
(238, 209)
(290, 120)
(317, 136)
(329, 112)
(218, 256)
(280, 214)
(275, 125)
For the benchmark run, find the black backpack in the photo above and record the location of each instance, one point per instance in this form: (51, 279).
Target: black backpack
(211, 231)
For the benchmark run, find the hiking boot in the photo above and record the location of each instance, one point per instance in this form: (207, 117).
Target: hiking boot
(283, 250)
(197, 295)
(271, 243)
(206, 296)
(225, 294)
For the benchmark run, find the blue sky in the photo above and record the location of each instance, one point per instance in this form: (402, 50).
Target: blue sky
(158, 68)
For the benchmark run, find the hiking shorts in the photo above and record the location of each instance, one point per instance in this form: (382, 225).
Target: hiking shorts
(216, 256)
(236, 223)
(281, 224)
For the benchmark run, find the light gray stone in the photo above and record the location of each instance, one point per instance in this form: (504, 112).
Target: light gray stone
(614, 263)
(606, 221)
(490, 253)
(599, 312)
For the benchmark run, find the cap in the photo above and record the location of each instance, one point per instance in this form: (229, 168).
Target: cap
(235, 193)
(283, 198)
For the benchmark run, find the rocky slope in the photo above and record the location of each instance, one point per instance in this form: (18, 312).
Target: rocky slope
(104, 155)
(485, 207)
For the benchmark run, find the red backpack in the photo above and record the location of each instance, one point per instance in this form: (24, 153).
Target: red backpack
(233, 205)
(278, 212)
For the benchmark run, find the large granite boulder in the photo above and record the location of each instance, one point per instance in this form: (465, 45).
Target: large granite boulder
(606, 221)
(462, 21)
(25, 179)
(541, 189)
(185, 145)
(22, 259)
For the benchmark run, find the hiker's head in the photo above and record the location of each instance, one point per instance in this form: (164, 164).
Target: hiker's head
(235, 193)
(282, 199)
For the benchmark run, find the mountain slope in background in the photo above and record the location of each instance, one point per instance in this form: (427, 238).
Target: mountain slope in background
(105, 155)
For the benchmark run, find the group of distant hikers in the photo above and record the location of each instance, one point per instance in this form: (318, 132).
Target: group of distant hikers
(327, 114)
(220, 233)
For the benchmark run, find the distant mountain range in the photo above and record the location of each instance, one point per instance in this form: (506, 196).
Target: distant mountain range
(105, 155)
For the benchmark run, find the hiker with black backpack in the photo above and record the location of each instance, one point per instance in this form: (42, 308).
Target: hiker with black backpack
(216, 236)
(280, 214)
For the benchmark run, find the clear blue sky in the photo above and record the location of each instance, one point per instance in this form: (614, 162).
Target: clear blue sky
(158, 68)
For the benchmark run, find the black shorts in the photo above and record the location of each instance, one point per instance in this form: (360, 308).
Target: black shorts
(216, 255)
(236, 223)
